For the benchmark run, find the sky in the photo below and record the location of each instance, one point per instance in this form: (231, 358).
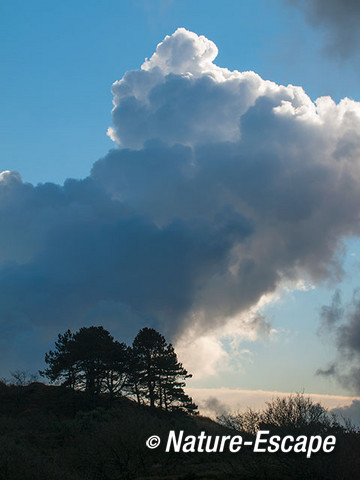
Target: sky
(191, 166)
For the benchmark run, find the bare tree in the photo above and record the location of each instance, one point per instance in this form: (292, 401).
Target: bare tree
(22, 377)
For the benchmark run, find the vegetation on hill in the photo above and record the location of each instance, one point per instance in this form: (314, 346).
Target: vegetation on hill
(292, 414)
(92, 361)
(107, 399)
(57, 433)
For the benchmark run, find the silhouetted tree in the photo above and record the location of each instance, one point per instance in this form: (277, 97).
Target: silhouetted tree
(89, 359)
(291, 413)
(22, 378)
(171, 382)
(91, 349)
(61, 363)
(116, 372)
(92, 360)
(148, 348)
(157, 374)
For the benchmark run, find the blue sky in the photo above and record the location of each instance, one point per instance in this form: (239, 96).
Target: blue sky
(58, 61)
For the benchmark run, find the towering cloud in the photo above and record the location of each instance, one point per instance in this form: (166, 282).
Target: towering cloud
(224, 188)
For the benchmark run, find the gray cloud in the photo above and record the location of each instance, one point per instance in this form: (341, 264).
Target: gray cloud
(342, 323)
(95, 255)
(351, 412)
(327, 372)
(332, 315)
(225, 187)
(339, 18)
(214, 406)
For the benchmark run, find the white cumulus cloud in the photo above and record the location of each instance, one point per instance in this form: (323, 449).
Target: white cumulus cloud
(225, 188)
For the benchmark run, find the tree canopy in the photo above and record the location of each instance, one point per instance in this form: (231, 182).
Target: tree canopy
(91, 360)
(159, 376)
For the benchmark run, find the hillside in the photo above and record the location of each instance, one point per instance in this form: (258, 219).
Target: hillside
(53, 433)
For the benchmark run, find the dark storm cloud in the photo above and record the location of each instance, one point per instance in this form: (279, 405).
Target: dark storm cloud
(226, 187)
(342, 323)
(339, 18)
(92, 250)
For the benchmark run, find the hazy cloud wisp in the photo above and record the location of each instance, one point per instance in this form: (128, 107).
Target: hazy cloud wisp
(339, 19)
(342, 324)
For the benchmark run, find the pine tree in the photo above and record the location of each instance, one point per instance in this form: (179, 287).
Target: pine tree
(89, 360)
(148, 348)
(171, 383)
(159, 377)
(61, 363)
(117, 363)
(90, 350)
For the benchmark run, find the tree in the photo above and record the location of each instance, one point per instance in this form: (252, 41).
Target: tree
(116, 371)
(90, 349)
(89, 359)
(292, 413)
(157, 375)
(61, 363)
(148, 348)
(171, 382)
(22, 378)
